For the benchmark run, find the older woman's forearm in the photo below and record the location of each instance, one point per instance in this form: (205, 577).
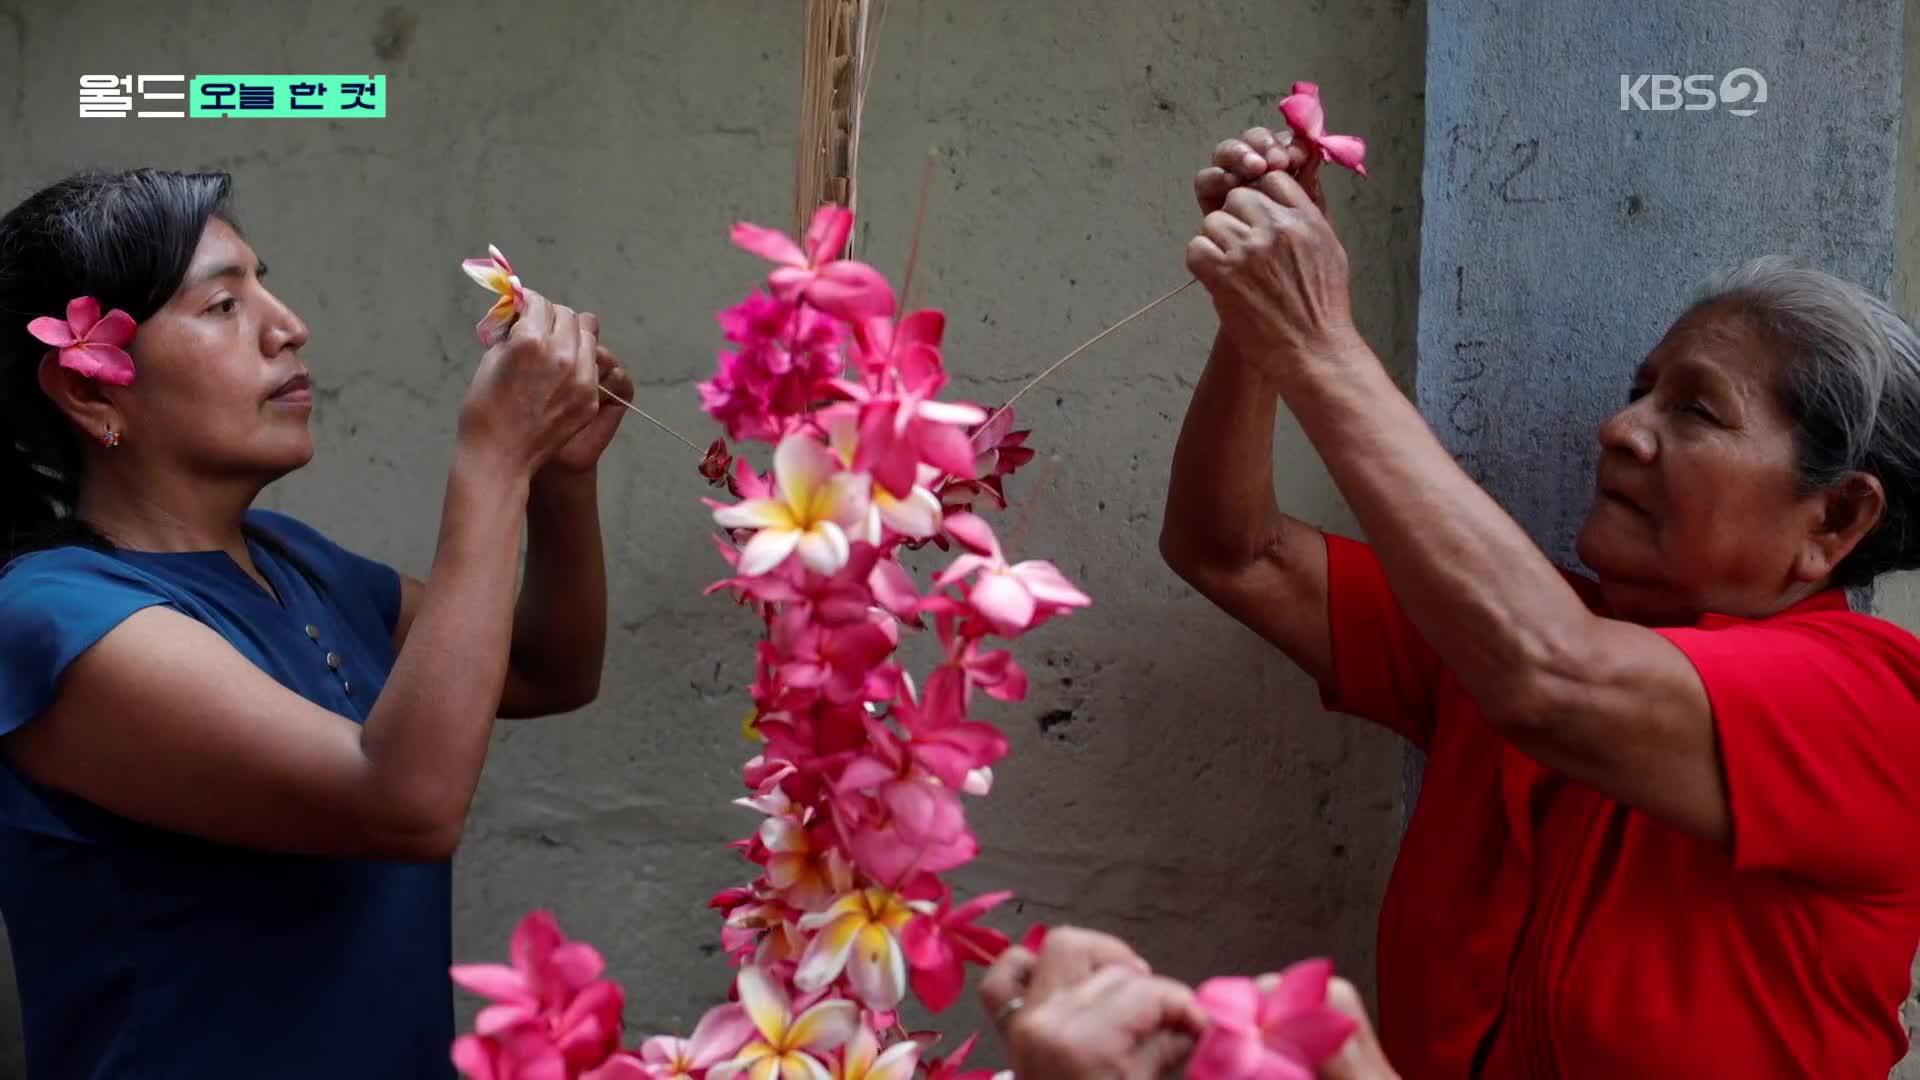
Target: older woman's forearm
(1476, 585)
(1220, 509)
(560, 621)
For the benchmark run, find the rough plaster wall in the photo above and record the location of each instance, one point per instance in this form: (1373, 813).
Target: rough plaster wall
(1186, 791)
(1561, 234)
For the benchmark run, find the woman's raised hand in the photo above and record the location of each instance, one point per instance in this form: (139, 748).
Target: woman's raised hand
(536, 388)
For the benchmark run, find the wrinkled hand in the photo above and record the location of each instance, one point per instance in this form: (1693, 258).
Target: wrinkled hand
(582, 452)
(1092, 1009)
(1243, 161)
(535, 389)
(1268, 255)
(1360, 1057)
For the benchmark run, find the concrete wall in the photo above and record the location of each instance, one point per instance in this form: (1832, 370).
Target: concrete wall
(1185, 789)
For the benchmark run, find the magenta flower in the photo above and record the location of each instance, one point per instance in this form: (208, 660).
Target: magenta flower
(940, 944)
(1309, 121)
(838, 661)
(552, 991)
(904, 426)
(89, 344)
(843, 288)
(1274, 1027)
(786, 350)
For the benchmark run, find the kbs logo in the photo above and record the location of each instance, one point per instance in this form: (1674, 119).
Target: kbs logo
(1743, 89)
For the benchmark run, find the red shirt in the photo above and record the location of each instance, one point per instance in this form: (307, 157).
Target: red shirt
(1578, 937)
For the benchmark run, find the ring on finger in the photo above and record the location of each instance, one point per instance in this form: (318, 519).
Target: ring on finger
(1005, 1012)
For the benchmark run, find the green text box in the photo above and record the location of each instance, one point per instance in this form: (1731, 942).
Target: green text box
(329, 97)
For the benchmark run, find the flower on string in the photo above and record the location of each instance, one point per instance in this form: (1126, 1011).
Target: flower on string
(551, 995)
(902, 425)
(1012, 598)
(717, 1037)
(940, 943)
(864, 1060)
(803, 863)
(716, 464)
(844, 288)
(787, 1045)
(785, 352)
(88, 343)
(814, 506)
(1308, 119)
(915, 515)
(495, 274)
(860, 935)
(1275, 1026)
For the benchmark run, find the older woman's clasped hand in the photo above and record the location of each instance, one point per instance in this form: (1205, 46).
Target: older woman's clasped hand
(1267, 253)
(1089, 1008)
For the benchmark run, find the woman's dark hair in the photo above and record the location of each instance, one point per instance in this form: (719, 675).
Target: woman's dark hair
(1852, 387)
(124, 238)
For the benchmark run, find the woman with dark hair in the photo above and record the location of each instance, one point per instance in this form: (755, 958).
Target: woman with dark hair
(235, 758)
(1669, 824)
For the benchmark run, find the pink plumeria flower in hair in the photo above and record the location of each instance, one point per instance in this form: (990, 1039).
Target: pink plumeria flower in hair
(1309, 121)
(496, 274)
(89, 344)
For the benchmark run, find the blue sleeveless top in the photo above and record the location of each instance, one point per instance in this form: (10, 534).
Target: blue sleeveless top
(142, 953)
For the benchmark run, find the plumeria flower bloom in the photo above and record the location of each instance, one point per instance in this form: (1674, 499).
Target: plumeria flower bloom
(553, 987)
(716, 1038)
(1275, 1027)
(787, 1044)
(939, 943)
(495, 273)
(880, 343)
(916, 515)
(844, 288)
(1012, 598)
(813, 507)
(804, 864)
(902, 425)
(88, 343)
(1308, 119)
(864, 1060)
(859, 934)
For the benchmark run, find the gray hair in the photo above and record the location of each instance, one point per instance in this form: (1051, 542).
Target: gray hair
(1852, 387)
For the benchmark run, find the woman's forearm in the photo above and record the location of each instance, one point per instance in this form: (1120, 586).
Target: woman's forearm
(560, 626)
(426, 739)
(1475, 584)
(1220, 508)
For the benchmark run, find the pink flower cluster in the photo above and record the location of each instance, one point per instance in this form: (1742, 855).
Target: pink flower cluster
(861, 769)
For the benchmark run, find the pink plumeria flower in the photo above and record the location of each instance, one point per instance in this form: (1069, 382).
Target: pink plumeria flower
(89, 344)
(1012, 598)
(864, 1060)
(553, 987)
(520, 1054)
(916, 515)
(840, 662)
(844, 288)
(716, 1038)
(880, 343)
(940, 943)
(1274, 1027)
(860, 935)
(813, 507)
(495, 274)
(1308, 119)
(786, 1044)
(901, 425)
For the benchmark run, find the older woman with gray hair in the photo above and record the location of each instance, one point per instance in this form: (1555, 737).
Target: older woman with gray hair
(1670, 824)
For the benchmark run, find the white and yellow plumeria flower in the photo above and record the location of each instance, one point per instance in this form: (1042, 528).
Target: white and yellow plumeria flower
(786, 1044)
(813, 505)
(864, 1060)
(496, 274)
(859, 934)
